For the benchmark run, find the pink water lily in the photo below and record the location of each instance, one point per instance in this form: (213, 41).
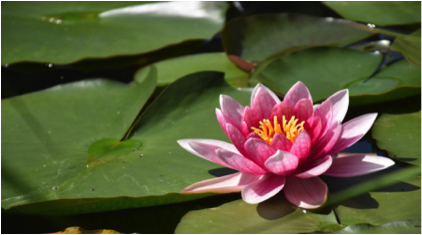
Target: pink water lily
(285, 145)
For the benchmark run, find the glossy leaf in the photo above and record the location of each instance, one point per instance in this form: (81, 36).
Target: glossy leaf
(400, 135)
(172, 69)
(410, 47)
(254, 38)
(275, 215)
(398, 80)
(78, 116)
(397, 202)
(65, 32)
(397, 227)
(324, 70)
(380, 13)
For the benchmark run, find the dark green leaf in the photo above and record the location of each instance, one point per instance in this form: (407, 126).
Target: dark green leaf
(323, 70)
(397, 227)
(410, 47)
(64, 32)
(254, 38)
(379, 13)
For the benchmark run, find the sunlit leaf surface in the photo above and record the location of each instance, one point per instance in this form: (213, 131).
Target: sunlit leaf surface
(64, 32)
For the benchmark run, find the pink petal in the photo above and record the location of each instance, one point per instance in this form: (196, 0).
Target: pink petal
(249, 119)
(280, 110)
(316, 129)
(297, 92)
(205, 148)
(340, 102)
(302, 145)
(353, 131)
(306, 193)
(316, 168)
(282, 163)
(263, 103)
(232, 108)
(326, 143)
(224, 184)
(266, 187)
(348, 165)
(223, 119)
(280, 142)
(259, 150)
(268, 91)
(304, 111)
(237, 138)
(325, 113)
(239, 162)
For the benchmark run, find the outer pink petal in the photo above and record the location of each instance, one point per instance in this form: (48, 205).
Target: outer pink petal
(353, 131)
(266, 187)
(325, 113)
(239, 162)
(302, 145)
(326, 143)
(348, 165)
(282, 163)
(223, 119)
(306, 193)
(260, 86)
(224, 184)
(280, 142)
(205, 148)
(232, 108)
(259, 150)
(263, 103)
(237, 138)
(340, 102)
(297, 92)
(315, 169)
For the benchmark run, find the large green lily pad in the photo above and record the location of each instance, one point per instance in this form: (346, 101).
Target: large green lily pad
(275, 215)
(397, 227)
(410, 47)
(400, 135)
(59, 127)
(324, 70)
(172, 69)
(380, 13)
(65, 32)
(254, 38)
(398, 80)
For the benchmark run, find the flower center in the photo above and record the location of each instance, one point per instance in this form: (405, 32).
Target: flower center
(289, 129)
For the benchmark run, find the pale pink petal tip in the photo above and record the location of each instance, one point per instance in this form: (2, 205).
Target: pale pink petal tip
(297, 92)
(306, 193)
(340, 102)
(349, 165)
(224, 184)
(232, 108)
(258, 87)
(266, 187)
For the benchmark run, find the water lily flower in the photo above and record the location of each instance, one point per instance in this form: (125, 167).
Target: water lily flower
(285, 145)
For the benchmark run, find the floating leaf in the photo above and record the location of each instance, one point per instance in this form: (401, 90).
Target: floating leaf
(254, 38)
(172, 69)
(276, 215)
(400, 135)
(324, 70)
(53, 165)
(64, 32)
(379, 13)
(410, 47)
(397, 227)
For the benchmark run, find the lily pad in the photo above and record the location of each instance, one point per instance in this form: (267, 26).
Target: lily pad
(254, 38)
(275, 215)
(65, 32)
(172, 69)
(397, 227)
(380, 13)
(53, 165)
(400, 135)
(410, 47)
(325, 70)
(399, 80)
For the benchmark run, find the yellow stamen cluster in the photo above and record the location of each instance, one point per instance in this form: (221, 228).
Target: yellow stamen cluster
(289, 129)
